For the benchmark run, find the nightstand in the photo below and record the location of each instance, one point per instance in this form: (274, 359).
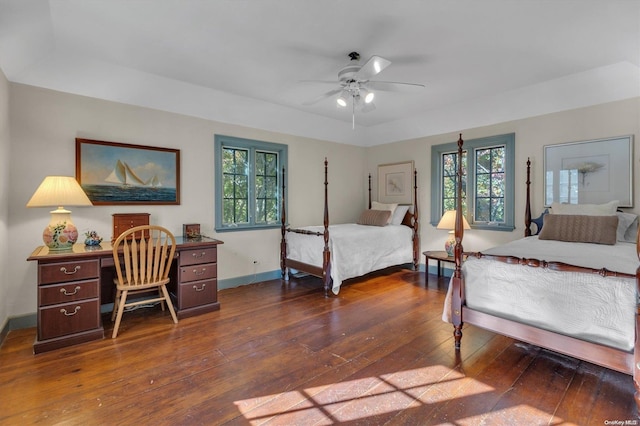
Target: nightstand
(439, 256)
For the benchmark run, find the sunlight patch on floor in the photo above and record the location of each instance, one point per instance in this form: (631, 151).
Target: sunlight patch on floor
(359, 398)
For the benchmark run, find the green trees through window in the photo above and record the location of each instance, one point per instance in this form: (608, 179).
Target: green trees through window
(487, 181)
(248, 183)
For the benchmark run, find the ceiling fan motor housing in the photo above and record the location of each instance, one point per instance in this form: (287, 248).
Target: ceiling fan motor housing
(351, 68)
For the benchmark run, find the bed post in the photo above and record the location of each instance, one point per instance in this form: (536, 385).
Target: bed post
(369, 192)
(457, 296)
(326, 254)
(527, 207)
(636, 349)
(283, 232)
(415, 224)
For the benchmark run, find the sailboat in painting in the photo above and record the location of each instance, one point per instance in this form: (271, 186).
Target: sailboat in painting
(154, 182)
(124, 175)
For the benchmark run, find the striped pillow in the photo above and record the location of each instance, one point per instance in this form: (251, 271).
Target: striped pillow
(580, 228)
(374, 217)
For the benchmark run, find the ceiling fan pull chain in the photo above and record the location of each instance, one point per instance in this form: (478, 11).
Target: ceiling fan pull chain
(353, 113)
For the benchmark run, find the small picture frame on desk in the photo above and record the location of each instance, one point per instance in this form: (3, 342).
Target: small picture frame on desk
(191, 230)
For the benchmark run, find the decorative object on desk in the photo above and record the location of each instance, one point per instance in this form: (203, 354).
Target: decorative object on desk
(123, 174)
(191, 230)
(92, 238)
(448, 221)
(59, 191)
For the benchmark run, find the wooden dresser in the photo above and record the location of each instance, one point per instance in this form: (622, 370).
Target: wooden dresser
(72, 286)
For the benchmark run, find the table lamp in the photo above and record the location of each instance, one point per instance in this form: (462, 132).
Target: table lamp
(448, 221)
(59, 191)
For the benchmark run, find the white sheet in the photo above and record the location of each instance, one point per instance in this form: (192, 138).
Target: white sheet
(355, 249)
(582, 305)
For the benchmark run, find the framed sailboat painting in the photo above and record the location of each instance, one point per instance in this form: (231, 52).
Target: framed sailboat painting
(124, 174)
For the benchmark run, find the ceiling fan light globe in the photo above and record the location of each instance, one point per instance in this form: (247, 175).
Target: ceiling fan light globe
(368, 98)
(342, 102)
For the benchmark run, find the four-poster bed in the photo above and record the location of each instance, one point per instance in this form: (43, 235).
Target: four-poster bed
(585, 307)
(339, 252)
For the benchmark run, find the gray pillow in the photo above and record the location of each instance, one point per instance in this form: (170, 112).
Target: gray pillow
(580, 228)
(374, 217)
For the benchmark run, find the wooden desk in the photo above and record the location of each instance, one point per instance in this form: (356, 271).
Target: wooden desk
(73, 284)
(439, 256)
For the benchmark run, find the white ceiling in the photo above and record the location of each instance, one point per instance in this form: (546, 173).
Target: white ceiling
(241, 61)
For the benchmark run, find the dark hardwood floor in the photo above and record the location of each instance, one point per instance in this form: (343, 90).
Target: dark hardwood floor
(378, 353)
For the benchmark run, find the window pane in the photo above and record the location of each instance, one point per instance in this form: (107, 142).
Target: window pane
(497, 210)
(483, 183)
(483, 213)
(490, 184)
(266, 187)
(449, 181)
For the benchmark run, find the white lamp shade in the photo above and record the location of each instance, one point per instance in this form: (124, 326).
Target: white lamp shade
(448, 221)
(59, 191)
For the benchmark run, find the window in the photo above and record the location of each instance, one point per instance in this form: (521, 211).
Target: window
(487, 181)
(248, 183)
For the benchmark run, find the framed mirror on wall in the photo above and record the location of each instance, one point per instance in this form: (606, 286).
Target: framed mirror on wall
(589, 172)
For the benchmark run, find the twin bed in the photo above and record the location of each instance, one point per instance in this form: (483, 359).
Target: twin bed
(384, 236)
(572, 288)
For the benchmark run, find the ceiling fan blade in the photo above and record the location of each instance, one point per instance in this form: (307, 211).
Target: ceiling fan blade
(394, 86)
(333, 82)
(372, 67)
(323, 96)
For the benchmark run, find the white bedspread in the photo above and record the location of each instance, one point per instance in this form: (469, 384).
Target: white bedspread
(582, 305)
(355, 249)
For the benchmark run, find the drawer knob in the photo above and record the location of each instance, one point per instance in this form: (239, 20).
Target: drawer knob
(195, 287)
(197, 256)
(64, 270)
(75, 291)
(195, 271)
(70, 314)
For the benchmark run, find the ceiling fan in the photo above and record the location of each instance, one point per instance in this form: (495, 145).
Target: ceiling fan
(355, 84)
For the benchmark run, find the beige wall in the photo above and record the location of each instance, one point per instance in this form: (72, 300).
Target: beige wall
(532, 134)
(45, 124)
(4, 199)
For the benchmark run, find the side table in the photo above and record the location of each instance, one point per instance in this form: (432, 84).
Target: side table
(439, 256)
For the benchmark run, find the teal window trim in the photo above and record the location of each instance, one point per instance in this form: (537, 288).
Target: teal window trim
(506, 140)
(220, 143)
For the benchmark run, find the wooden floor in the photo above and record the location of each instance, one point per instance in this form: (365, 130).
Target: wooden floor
(276, 354)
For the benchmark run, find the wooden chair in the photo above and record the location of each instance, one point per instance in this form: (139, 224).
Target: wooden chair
(142, 257)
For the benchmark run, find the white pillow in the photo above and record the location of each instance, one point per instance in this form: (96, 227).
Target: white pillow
(381, 206)
(399, 214)
(627, 227)
(607, 209)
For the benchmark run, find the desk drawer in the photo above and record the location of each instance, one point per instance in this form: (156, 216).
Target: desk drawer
(68, 318)
(197, 293)
(198, 272)
(68, 271)
(196, 256)
(68, 292)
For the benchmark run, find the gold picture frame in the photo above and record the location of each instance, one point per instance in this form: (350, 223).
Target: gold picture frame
(394, 183)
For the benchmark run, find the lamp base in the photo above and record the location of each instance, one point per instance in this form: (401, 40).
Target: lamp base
(450, 245)
(61, 234)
